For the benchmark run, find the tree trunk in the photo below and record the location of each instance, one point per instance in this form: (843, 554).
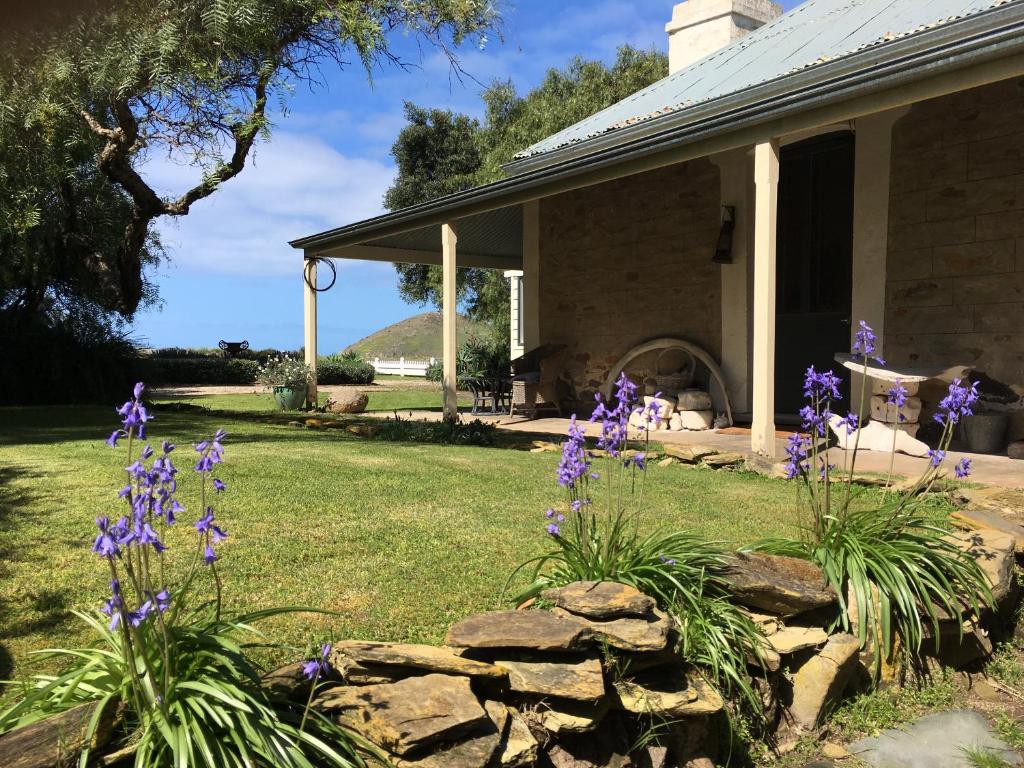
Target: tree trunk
(56, 741)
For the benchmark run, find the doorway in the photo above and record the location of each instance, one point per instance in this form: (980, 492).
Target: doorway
(814, 246)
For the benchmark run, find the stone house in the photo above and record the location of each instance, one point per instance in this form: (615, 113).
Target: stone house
(794, 173)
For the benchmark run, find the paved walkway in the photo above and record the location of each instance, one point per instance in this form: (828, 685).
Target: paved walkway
(986, 469)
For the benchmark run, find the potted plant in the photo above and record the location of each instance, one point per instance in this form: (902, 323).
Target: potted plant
(288, 379)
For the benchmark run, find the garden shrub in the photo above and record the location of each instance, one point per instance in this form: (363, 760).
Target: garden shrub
(894, 560)
(435, 371)
(482, 357)
(344, 368)
(444, 432)
(74, 362)
(162, 371)
(168, 655)
(599, 539)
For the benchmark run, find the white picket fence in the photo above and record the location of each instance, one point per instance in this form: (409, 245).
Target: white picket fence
(403, 366)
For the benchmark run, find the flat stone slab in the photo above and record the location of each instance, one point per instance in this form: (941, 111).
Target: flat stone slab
(408, 715)
(583, 680)
(569, 716)
(778, 584)
(647, 634)
(793, 639)
(934, 741)
(689, 454)
(472, 752)
(518, 747)
(986, 518)
(672, 695)
(601, 600)
(534, 630)
(822, 678)
(418, 657)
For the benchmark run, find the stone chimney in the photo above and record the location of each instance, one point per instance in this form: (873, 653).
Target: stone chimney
(700, 27)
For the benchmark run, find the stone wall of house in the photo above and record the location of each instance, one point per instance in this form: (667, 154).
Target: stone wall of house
(626, 261)
(955, 267)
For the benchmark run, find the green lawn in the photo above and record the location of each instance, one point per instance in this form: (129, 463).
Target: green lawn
(400, 399)
(399, 539)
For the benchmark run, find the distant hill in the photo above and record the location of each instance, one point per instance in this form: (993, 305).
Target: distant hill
(416, 337)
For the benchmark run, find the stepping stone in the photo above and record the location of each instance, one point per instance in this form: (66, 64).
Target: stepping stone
(777, 584)
(600, 599)
(793, 639)
(472, 752)
(534, 630)
(672, 695)
(689, 454)
(408, 715)
(1006, 501)
(355, 654)
(648, 634)
(726, 459)
(583, 681)
(933, 741)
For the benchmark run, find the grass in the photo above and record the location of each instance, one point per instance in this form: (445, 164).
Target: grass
(387, 400)
(889, 707)
(400, 539)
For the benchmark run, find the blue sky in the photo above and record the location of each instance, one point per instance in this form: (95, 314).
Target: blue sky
(231, 273)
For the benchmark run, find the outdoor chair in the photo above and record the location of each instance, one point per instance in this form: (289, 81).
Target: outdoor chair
(233, 348)
(493, 394)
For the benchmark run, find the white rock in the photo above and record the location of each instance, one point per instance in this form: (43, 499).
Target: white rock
(666, 405)
(694, 400)
(675, 423)
(883, 410)
(695, 420)
(876, 436)
(882, 387)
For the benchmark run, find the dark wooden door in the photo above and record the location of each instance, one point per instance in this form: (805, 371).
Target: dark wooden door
(815, 261)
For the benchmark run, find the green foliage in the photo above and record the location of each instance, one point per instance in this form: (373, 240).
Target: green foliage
(161, 371)
(440, 152)
(984, 758)
(77, 358)
(891, 565)
(344, 368)
(283, 371)
(483, 356)
(442, 432)
(215, 713)
(87, 103)
(435, 371)
(893, 706)
(599, 539)
(1009, 729)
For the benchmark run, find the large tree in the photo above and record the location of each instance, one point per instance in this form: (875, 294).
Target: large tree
(92, 100)
(440, 152)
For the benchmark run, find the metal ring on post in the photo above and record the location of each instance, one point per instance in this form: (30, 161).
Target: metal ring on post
(329, 263)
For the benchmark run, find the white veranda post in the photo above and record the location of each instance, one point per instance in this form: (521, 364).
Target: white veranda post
(766, 192)
(449, 239)
(309, 323)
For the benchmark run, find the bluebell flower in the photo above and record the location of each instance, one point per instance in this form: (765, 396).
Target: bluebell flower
(962, 469)
(937, 456)
(864, 344)
(553, 529)
(958, 402)
(796, 452)
(850, 422)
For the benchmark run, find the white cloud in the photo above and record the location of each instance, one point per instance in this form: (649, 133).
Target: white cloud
(294, 185)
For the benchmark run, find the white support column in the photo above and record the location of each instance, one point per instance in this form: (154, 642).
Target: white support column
(309, 324)
(766, 193)
(449, 299)
(734, 173)
(531, 275)
(872, 156)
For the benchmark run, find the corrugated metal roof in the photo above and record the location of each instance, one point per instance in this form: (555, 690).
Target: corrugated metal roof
(813, 33)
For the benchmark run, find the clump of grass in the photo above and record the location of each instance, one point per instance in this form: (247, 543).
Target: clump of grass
(1009, 729)
(885, 708)
(984, 758)
(444, 432)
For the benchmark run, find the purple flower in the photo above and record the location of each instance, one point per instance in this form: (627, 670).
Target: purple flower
(147, 451)
(959, 402)
(897, 396)
(864, 344)
(114, 605)
(138, 389)
(114, 437)
(574, 463)
(163, 600)
(553, 529)
(821, 386)
(850, 422)
(218, 486)
(962, 469)
(209, 556)
(666, 560)
(167, 447)
(106, 542)
(796, 451)
(549, 513)
(937, 456)
(639, 461)
(203, 523)
(316, 667)
(135, 618)
(615, 421)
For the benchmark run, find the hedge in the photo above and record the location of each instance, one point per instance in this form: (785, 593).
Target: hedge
(335, 369)
(158, 371)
